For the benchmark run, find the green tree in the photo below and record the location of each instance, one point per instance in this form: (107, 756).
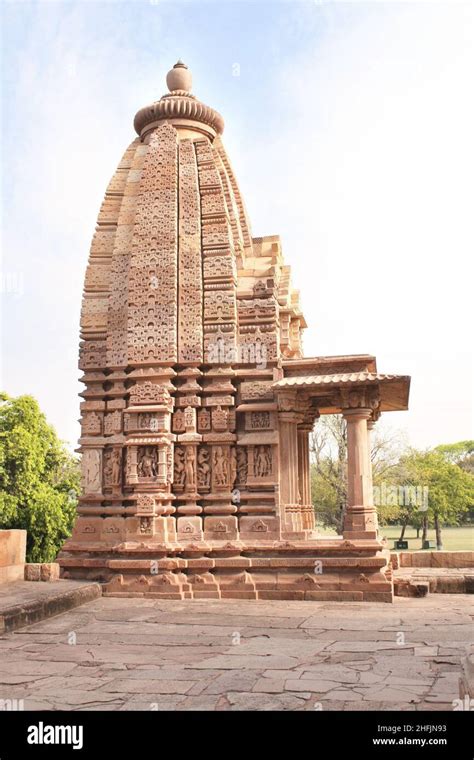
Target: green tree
(460, 453)
(450, 489)
(328, 447)
(38, 478)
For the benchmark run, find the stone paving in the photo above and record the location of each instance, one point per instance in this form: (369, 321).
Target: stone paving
(132, 654)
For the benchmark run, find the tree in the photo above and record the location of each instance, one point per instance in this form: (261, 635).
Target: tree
(450, 488)
(38, 478)
(328, 449)
(460, 453)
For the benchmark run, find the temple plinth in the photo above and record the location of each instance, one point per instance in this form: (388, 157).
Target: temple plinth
(198, 401)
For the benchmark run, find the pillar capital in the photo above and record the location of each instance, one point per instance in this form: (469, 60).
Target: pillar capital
(287, 401)
(357, 414)
(294, 417)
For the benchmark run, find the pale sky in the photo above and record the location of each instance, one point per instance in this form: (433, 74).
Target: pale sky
(350, 128)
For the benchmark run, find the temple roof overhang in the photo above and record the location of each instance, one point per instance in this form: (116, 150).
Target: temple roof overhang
(318, 365)
(326, 391)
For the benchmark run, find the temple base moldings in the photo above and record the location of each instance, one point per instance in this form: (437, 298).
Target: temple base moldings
(325, 570)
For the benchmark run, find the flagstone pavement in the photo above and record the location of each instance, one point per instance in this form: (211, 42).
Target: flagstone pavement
(138, 654)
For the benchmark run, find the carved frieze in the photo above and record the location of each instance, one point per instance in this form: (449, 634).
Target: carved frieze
(150, 393)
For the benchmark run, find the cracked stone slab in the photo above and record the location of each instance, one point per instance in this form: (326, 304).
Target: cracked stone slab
(133, 654)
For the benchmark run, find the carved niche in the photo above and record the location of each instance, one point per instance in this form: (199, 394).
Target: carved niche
(91, 423)
(204, 420)
(220, 418)
(178, 421)
(91, 471)
(150, 393)
(113, 422)
(260, 420)
(112, 467)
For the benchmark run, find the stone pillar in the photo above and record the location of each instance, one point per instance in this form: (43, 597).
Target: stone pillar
(360, 519)
(288, 420)
(304, 478)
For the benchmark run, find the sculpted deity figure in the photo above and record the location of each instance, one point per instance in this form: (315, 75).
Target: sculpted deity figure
(233, 466)
(178, 466)
(116, 467)
(107, 468)
(146, 464)
(220, 466)
(242, 466)
(263, 461)
(189, 467)
(204, 468)
(91, 470)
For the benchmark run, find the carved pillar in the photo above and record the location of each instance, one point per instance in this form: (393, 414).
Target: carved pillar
(361, 519)
(185, 485)
(304, 478)
(220, 466)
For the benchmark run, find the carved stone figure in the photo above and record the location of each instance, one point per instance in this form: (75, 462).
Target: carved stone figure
(233, 465)
(220, 467)
(116, 469)
(189, 467)
(107, 467)
(242, 466)
(147, 462)
(179, 470)
(204, 468)
(262, 461)
(91, 460)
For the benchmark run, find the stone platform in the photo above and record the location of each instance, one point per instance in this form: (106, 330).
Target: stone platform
(313, 570)
(23, 603)
(150, 654)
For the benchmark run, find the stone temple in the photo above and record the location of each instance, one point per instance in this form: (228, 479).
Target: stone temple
(198, 401)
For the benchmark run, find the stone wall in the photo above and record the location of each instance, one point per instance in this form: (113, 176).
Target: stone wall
(433, 559)
(12, 555)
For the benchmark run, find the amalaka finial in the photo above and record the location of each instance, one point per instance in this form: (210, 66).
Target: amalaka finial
(179, 77)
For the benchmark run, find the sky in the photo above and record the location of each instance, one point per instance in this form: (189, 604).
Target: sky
(349, 127)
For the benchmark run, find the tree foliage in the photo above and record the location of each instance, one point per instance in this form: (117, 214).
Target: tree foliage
(450, 488)
(38, 478)
(461, 453)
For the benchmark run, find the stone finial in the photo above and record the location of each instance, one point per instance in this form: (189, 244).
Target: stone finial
(178, 106)
(179, 78)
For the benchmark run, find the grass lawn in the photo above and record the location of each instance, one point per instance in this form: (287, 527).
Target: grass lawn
(454, 539)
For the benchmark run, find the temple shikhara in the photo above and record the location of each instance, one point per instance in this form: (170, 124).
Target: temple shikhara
(198, 400)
